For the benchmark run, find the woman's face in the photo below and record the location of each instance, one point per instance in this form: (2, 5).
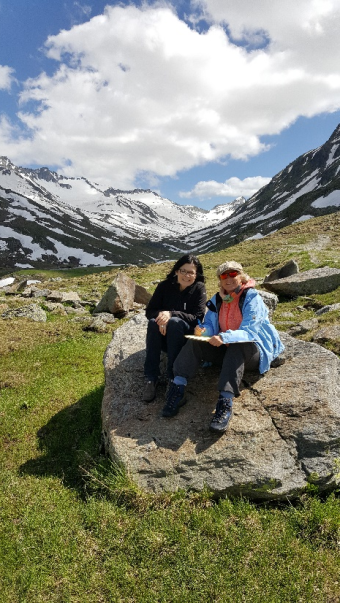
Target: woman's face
(186, 275)
(230, 283)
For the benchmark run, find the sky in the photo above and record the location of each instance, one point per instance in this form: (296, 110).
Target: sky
(200, 100)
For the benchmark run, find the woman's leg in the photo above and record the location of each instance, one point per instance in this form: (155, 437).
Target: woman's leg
(153, 351)
(237, 358)
(175, 340)
(185, 367)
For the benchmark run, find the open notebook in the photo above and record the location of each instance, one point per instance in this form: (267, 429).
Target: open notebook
(202, 338)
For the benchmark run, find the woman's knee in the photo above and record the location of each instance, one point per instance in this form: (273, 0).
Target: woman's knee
(152, 325)
(178, 325)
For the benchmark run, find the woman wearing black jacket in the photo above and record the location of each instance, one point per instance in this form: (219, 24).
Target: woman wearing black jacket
(172, 312)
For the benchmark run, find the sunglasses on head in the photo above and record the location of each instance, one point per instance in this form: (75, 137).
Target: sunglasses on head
(227, 273)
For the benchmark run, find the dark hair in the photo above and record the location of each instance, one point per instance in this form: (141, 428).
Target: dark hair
(188, 259)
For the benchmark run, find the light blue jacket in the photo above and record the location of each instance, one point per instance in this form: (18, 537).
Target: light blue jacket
(255, 326)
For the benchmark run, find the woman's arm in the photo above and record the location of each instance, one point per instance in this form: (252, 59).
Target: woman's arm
(195, 306)
(156, 303)
(254, 313)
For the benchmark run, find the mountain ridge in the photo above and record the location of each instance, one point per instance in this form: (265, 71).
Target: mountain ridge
(50, 220)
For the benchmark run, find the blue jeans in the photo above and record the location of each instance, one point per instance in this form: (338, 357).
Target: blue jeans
(171, 343)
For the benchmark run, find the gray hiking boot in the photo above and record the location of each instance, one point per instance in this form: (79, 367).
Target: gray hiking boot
(149, 393)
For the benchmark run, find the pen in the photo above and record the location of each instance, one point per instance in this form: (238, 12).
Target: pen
(199, 323)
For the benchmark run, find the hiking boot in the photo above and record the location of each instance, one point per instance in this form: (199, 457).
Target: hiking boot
(174, 400)
(149, 393)
(223, 414)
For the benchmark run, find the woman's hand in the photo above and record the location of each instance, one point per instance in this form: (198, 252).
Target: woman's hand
(199, 330)
(162, 321)
(216, 341)
(163, 318)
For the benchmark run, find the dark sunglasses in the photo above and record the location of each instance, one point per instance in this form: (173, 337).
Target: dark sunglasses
(227, 273)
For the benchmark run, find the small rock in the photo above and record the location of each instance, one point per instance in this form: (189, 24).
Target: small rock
(329, 308)
(63, 296)
(98, 326)
(304, 326)
(105, 317)
(32, 312)
(330, 333)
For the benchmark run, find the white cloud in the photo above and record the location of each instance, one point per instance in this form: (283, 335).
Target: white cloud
(6, 77)
(233, 187)
(137, 91)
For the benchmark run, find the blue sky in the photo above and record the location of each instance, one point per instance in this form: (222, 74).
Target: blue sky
(202, 100)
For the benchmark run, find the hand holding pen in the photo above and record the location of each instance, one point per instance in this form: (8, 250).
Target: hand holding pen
(199, 329)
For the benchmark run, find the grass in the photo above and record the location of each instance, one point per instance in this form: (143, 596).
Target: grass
(74, 529)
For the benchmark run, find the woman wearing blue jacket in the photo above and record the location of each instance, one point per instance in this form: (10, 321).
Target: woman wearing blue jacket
(240, 336)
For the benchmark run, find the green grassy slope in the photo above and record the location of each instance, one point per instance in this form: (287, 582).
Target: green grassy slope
(72, 526)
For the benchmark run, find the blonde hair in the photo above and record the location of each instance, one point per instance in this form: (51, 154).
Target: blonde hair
(231, 265)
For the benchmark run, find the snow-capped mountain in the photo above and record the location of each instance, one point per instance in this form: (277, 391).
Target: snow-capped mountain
(50, 220)
(307, 187)
(153, 215)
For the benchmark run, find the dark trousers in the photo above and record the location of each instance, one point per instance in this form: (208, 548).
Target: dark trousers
(232, 359)
(171, 343)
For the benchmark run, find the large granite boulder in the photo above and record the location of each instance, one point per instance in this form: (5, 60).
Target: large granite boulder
(318, 280)
(288, 269)
(121, 296)
(285, 431)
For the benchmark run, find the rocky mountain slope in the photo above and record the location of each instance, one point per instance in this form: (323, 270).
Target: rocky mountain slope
(306, 188)
(50, 220)
(47, 219)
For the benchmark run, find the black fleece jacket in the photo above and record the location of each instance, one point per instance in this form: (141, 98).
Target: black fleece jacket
(188, 304)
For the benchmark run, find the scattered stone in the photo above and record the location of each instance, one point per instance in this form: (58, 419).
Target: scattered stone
(32, 312)
(63, 296)
(287, 270)
(142, 296)
(106, 317)
(83, 319)
(121, 296)
(304, 326)
(56, 309)
(98, 325)
(35, 292)
(22, 285)
(71, 310)
(270, 299)
(318, 280)
(287, 314)
(330, 308)
(284, 432)
(330, 333)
